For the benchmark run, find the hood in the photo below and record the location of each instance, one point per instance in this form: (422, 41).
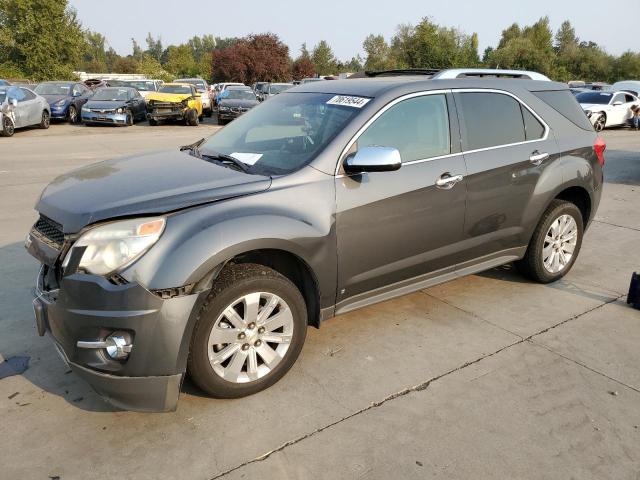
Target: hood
(105, 104)
(168, 97)
(153, 183)
(55, 98)
(594, 106)
(232, 102)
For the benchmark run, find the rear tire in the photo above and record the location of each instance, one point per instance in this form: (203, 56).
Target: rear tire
(209, 112)
(229, 359)
(555, 243)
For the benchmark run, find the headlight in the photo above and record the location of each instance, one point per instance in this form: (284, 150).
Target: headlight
(589, 113)
(224, 109)
(120, 110)
(60, 103)
(85, 109)
(115, 245)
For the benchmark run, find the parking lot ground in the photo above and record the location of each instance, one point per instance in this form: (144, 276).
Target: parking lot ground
(488, 376)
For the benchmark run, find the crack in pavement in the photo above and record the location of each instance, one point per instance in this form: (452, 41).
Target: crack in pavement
(616, 225)
(416, 388)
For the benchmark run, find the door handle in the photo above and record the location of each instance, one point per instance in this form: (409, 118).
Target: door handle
(447, 181)
(537, 158)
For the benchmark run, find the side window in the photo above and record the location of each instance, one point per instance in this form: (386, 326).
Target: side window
(17, 93)
(628, 98)
(618, 98)
(533, 129)
(418, 127)
(76, 90)
(490, 119)
(28, 94)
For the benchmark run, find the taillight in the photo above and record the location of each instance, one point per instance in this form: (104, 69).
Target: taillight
(599, 147)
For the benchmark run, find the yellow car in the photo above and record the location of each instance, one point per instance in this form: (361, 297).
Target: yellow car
(175, 101)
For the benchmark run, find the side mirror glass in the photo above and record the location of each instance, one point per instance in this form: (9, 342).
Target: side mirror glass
(14, 102)
(373, 159)
(617, 104)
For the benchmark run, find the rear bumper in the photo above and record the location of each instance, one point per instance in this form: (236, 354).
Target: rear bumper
(89, 308)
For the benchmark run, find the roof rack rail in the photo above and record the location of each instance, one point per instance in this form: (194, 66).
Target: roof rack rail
(401, 71)
(488, 72)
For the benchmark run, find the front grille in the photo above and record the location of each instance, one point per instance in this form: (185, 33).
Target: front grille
(95, 110)
(50, 230)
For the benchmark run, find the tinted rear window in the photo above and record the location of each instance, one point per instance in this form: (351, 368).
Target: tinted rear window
(566, 104)
(490, 119)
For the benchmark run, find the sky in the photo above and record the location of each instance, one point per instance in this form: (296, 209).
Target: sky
(346, 23)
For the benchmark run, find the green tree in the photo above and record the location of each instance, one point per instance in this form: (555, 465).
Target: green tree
(95, 56)
(323, 59)
(154, 47)
(137, 50)
(180, 61)
(151, 68)
(378, 53)
(42, 39)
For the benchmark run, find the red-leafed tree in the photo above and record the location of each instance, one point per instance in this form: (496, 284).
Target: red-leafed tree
(254, 58)
(303, 68)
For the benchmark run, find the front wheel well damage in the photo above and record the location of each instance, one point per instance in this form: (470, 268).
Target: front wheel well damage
(290, 266)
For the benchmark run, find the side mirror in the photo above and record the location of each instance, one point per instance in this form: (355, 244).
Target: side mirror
(617, 104)
(14, 102)
(373, 159)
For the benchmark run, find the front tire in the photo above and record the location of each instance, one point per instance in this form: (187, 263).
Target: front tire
(249, 332)
(600, 123)
(555, 243)
(73, 115)
(8, 128)
(45, 122)
(129, 118)
(192, 118)
(153, 122)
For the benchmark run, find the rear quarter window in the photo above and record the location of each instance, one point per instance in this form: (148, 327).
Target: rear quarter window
(563, 102)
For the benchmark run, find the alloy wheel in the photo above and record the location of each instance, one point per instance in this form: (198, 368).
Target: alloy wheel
(559, 243)
(251, 337)
(73, 114)
(8, 126)
(46, 120)
(600, 123)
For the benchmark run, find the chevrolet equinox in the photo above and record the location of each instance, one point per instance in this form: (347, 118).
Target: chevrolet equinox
(213, 259)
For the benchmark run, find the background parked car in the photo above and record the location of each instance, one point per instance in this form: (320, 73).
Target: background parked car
(65, 99)
(203, 89)
(311, 79)
(145, 87)
(223, 86)
(115, 106)
(234, 101)
(95, 83)
(175, 101)
(21, 107)
(4, 83)
(258, 89)
(632, 86)
(272, 89)
(607, 109)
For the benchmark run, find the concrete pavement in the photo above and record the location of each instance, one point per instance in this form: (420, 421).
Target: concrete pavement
(488, 376)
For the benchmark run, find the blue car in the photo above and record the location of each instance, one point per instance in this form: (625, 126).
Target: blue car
(4, 83)
(114, 106)
(65, 99)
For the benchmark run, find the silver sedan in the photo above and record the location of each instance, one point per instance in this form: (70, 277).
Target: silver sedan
(21, 107)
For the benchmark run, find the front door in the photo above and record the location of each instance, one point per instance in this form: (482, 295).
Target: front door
(395, 229)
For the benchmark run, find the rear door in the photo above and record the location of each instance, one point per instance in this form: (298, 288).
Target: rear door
(31, 107)
(398, 228)
(506, 148)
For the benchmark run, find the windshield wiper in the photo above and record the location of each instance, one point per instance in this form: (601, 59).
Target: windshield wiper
(222, 158)
(216, 156)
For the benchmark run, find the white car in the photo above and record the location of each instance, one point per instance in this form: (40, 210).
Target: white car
(145, 87)
(607, 109)
(22, 107)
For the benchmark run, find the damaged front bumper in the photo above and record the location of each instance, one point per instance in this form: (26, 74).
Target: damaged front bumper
(166, 111)
(87, 309)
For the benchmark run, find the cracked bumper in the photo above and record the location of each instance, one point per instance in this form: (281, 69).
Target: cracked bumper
(89, 308)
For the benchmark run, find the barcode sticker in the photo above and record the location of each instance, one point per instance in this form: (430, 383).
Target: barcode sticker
(348, 101)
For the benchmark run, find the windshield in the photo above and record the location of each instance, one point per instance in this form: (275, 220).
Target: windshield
(111, 94)
(279, 88)
(199, 84)
(594, 97)
(53, 89)
(238, 94)
(181, 89)
(284, 134)
(146, 86)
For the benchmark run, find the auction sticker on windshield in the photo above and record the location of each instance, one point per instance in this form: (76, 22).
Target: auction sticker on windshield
(349, 101)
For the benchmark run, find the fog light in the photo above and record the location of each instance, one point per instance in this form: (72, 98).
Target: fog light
(118, 345)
